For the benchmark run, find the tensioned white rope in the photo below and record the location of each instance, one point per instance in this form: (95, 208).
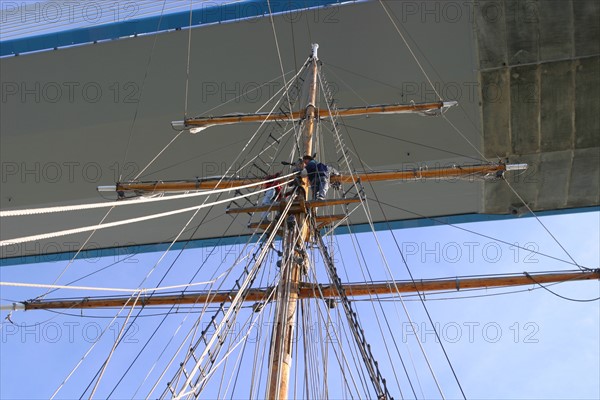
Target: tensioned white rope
(125, 222)
(516, 194)
(180, 132)
(88, 351)
(189, 53)
(158, 155)
(409, 48)
(241, 340)
(104, 289)
(72, 260)
(114, 347)
(246, 93)
(465, 138)
(382, 255)
(144, 80)
(142, 200)
(287, 93)
(116, 343)
(544, 226)
(238, 298)
(208, 205)
(337, 337)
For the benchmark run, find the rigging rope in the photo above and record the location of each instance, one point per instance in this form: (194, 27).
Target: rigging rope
(127, 330)
(245, 94)
(558, 295)
(125, 222)
(104, 289)
(76, 254)
(222, 329)
(190, 311)
(365, 349)
(88, 351)
(280, 60)
(367, 213)
(409, 48)
(138, 103)
(465, 138)
(442, 222)
(246, 146)
(177, 352)
(545, 228)
(356, 244)
(518, 195)
(235, 98)
(158, 155)
(189, 52)
(142, 200)
(412, 142)
(338, 339)
(114, 347)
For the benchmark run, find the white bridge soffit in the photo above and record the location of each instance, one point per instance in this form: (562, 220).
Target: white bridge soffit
(67, 114)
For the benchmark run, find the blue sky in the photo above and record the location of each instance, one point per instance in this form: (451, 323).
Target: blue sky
(524, 345)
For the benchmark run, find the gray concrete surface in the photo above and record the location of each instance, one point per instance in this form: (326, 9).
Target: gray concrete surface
(540, 68)
(526, 75)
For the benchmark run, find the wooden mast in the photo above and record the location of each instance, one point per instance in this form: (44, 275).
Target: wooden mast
(287, 292)
(290, 287)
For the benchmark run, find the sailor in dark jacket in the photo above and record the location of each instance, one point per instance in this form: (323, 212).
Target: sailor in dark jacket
(318, 176)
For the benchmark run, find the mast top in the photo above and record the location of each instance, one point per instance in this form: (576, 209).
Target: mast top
(315, 48)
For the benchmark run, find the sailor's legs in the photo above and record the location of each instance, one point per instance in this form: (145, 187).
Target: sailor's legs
(267, 199)
(323, 187)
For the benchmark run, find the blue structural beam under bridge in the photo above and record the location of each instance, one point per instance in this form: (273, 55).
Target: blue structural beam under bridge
(125, 252)
(209, 13)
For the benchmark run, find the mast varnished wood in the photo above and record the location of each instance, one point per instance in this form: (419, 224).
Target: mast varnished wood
(317, 113)
(306, 290)
(283, 329)
(455, 171)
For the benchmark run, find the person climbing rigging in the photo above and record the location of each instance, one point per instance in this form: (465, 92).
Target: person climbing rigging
(318, 176)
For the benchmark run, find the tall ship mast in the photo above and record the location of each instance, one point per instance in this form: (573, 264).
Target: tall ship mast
(292, 240)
